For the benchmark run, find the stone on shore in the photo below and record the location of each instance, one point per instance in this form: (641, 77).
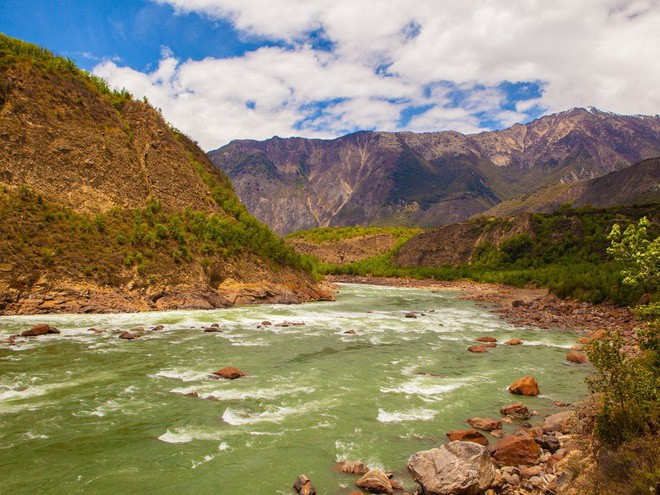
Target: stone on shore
(467, 436)
(517, 410)
(548, 442)
(525, 386)
(561, 422)
(516, 450)
(576, 357)
(486, 339)
(41, 329)
(128, 335)
(352, 467)
(486, 424)
(514, 342)
(375, 481)
(229, 373)
(458, 468)
(477, 348)
(303, 485)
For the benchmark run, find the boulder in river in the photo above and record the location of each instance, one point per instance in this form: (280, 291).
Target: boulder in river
(410, 315)
(41, 329)
(486, 339)
(467, 436)
(486, 424)
(352, 467)
(457, 468)
(303, 485)
(516, 450)
(514, 342)
(375, 481)
(157, 328)
(212, 330)
(477, 348)
(128, 335)
(228, 372)
(517, 410)
(525, 386)
(266, 323)
(350, 332)
(576, 357)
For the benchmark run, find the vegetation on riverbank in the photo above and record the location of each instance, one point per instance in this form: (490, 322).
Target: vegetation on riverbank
(570, 262)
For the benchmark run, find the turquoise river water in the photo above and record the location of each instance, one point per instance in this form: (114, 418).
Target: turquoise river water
(86, 413)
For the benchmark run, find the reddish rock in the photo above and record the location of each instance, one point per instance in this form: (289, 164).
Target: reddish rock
(559, 403)
(562, 422)
(514, 342)
(554, 459)
(266, 323)
(350, 332)
(375, 481)
(599, 334)
(303, 485)
(489, 344)
(477, 348)
(578, 348)
(583, 340)
(40, 329)
(528, 472)
(517, 410)
(229, 373)
(576, 357)
(548, 442)
(497, 433)
(486, 339)
(127, 336)
(352, 467)
(524, 386)
(516, 450)
(486, 424)
(467, 436)
(136, 329)
(396, 486)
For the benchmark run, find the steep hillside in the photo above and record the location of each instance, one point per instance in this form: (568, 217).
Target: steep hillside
(105, 207)
(430, 179)
(637, 184)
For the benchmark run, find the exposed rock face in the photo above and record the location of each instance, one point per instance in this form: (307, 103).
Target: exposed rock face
(486, 424)
(516, 450)
(303, 485)
(517, 410)
(345, 251)
(375, 481)
(467, 436)
(229, 373)
(41, 329)
(458, 468)
(427, 179)
(525, 386)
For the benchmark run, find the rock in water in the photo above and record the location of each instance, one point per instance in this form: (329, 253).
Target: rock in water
(485, 424)
(303, 485)
(467, 436)
(525, 386)
(229, 373)
(514, 342)
(576, 357)
(40, 329)
(127, 336)
(516, 450)
(375, 481)
(477, 348)
(517, 410)
(352, 467)
(458, 468)
(486, 339)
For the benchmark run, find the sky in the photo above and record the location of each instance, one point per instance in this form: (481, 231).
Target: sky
(252, 69)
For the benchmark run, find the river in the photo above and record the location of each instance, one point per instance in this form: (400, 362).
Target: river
(86, 413)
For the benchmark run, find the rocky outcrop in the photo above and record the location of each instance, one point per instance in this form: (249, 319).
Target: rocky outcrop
(458, 468)
(525, 386)
(477, 348)
(376, 178)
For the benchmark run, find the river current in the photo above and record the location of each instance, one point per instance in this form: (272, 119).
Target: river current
(86, 413)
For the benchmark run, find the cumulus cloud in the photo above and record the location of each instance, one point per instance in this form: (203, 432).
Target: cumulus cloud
(423, 65)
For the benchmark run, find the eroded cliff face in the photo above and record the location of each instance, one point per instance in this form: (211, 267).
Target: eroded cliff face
(430, 179)
(105, 207)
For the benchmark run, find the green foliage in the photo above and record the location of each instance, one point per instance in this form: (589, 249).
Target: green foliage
(641, 254)
(319, 235)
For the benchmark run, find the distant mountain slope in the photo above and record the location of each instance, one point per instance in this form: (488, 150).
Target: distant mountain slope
(637, 184)
(105, 207)
(378, 178)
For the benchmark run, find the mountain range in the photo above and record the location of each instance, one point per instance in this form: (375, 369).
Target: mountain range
(428, 179)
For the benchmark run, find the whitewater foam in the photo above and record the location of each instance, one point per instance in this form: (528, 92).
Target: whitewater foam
(411, 415)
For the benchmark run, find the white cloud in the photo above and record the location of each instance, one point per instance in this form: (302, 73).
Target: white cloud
(594, 52)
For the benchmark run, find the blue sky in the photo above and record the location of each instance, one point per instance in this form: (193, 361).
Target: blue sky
(228, 69)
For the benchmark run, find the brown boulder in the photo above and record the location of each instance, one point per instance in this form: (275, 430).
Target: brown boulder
(127, 336)
(229, 373)
(529, 472)
(489, 344)
(583, 340)
(266, 323)
(467, 436)
(352, 467)
(350, 332)
(562, 422)
(486, 339)
(516, 450)
(477, 348)
(514, 342)
(599, 334)
(375, 481)
(524, 386)
(303, 485)
(41, 329)
(517, 410)
(576, 357)
(486, 424)
(212, 330)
